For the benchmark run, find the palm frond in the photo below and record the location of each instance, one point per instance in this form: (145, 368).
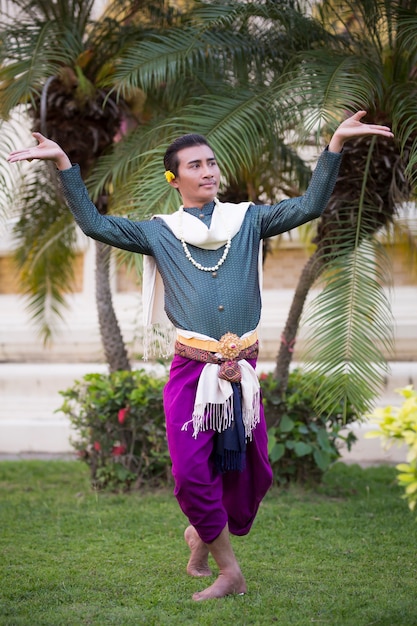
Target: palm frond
(372, 22)
(44, 10)
(407, 26)
(221, 14)
(276, 21)
(327, 86)
(25, 63)
(161, 58)
(245, 42)
(350, 330)
(10, 175)
(122, 171)
(45, 237)
(351, 320)
(402, 101)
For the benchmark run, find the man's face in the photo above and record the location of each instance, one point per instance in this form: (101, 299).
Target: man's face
(198, 176)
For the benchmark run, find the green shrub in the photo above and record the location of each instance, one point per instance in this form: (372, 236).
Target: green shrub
(301, 443)
(120, 426)
(399, 425)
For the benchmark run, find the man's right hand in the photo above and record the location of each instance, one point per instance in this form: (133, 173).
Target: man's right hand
(46, 150)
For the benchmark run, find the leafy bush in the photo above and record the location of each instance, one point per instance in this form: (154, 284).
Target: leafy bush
(399, 425)
(301, 443)
(120, 425)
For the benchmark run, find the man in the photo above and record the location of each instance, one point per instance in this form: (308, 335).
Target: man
(207, 255)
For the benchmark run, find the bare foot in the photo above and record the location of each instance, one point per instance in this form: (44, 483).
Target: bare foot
(224, 585)
(198, 563)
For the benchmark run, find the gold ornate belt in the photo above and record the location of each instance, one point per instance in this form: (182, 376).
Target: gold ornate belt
(218, 346)
(226, 357)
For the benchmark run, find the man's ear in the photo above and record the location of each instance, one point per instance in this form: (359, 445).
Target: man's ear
(174, 183)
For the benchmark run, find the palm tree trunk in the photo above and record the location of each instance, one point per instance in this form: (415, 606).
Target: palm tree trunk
(309, 274)
(111, 336)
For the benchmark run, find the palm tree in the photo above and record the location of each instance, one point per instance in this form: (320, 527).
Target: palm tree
(370, 59)
(56, 63)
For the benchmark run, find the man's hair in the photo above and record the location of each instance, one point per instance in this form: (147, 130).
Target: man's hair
(171, 160)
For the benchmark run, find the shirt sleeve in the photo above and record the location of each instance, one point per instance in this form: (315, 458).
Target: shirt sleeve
(293, 212)
(119, 232)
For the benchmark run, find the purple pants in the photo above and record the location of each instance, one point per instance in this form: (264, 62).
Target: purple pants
(211, 500)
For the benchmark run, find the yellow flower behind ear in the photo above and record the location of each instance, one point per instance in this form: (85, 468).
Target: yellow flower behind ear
(169, 176)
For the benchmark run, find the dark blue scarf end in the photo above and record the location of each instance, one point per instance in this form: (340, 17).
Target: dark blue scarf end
(229, 461)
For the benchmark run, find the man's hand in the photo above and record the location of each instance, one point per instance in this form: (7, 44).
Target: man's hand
(46, 150)
(353, 127)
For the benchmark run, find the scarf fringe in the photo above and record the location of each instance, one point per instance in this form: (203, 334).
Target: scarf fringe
(252, 417)
(213, 416)
(230, 461)
(158, 341)
(220, 416)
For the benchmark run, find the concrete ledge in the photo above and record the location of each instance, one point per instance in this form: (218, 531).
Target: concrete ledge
(49, 436)
(30, 423)
(30, 398)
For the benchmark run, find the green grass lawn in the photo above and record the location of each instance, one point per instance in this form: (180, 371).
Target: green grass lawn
(342, 554)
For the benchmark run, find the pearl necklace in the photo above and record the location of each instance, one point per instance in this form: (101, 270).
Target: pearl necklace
(203, 268)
